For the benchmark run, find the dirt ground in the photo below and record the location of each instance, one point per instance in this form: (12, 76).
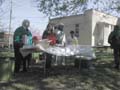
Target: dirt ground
(103, 77)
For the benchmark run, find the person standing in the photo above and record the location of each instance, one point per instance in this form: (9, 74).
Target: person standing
(72, 40)
(60, 41)
(22, 36)
(61, 38)
(114, 41)
(52, 37)
(48, 34)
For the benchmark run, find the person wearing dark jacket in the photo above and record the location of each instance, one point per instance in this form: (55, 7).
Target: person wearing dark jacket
(46, 32)
(114, 41)
(22, 36)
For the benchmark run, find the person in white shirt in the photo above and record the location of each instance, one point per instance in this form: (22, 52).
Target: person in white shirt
(61, 41)
(72, 40)
(61, 38)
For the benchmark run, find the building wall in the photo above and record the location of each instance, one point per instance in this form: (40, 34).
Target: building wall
(70, 22)
(86, 34)
(93, 26)
(105, 19)
(4, 39)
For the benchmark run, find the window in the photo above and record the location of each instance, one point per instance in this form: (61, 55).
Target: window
(77, 30)
(76, 25)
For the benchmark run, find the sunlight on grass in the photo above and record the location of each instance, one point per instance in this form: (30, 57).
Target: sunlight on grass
(103, 77)
(22, 87)
(6, 54)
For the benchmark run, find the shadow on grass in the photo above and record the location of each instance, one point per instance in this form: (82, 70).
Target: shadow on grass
(104, 77)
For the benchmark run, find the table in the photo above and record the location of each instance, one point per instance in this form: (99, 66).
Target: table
(81, 51)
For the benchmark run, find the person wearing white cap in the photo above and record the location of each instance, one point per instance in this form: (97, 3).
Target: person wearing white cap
(22, 36)
(61, 38)
(61, 41)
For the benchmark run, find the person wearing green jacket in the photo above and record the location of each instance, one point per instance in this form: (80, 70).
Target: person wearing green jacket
(22, 36)
(114, 41)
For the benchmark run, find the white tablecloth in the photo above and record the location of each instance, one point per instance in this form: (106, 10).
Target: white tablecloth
(69, 50)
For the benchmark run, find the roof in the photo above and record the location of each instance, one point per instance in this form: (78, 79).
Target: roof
(82, 14)
(67, 17)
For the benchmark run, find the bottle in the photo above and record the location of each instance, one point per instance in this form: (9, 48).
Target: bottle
(25, 39)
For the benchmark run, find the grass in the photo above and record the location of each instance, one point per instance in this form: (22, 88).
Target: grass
(104, 77)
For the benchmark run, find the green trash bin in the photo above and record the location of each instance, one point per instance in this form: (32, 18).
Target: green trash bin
(6, 68)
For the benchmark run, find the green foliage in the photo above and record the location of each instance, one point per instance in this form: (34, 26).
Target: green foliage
(53, 8)
(1, 1)
(59, 7)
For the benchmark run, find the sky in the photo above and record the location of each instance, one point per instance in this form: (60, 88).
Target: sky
(27, 9)
(24, 9)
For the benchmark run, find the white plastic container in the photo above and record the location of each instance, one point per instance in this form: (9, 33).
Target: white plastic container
(25, 39)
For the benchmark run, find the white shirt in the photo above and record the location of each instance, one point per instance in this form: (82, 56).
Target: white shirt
(72, 41)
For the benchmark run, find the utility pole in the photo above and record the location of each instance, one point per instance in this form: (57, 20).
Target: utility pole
(10, 22)
(49, 18)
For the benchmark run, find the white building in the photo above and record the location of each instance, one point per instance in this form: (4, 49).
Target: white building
(6, 39)
(92, 27)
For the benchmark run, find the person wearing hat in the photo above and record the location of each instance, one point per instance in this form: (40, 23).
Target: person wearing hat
(61, 38)
(60, 41)
(22, 36)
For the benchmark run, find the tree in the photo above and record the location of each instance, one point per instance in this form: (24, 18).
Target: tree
(53, 8)
(1, 1)
(60, 7)
(107, 6)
